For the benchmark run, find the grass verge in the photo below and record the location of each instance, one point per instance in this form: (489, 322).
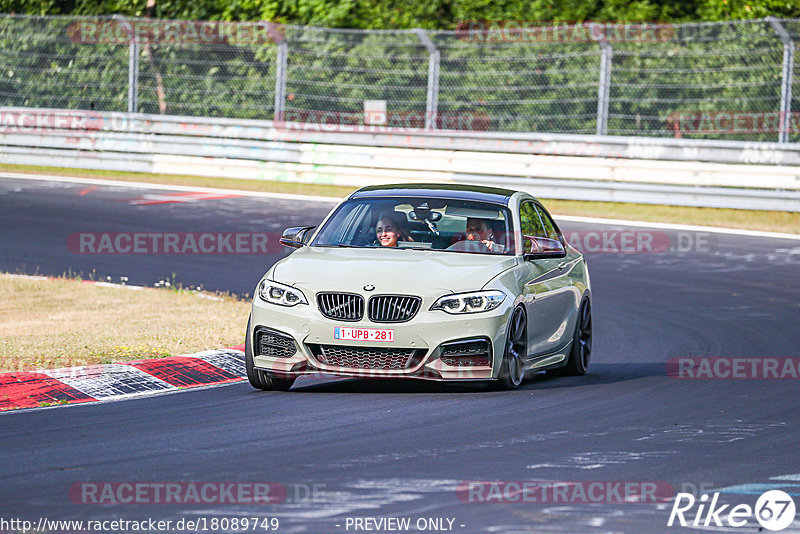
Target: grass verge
(63, 322)
(766, 221)
(770, 221)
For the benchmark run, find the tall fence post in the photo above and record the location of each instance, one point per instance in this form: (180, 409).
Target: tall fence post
(133, 65)
(133, 76)
(281, 64)
(786, 78)
(432, 98)
(604, 87)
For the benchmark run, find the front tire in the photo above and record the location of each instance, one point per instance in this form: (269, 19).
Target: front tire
(258, 378)
(581, 351)
(512, 369)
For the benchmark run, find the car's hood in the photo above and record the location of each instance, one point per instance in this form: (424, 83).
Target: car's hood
(389, 270)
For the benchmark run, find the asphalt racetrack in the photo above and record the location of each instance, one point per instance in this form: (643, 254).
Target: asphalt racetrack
(337, 451)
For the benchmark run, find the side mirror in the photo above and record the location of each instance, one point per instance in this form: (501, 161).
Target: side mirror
(539, 248)
(296, 236)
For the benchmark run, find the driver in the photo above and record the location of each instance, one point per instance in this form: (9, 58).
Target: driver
(480, 230)
(390, 229)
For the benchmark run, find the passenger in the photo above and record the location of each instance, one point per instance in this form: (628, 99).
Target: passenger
(481, 230)
(390, 229)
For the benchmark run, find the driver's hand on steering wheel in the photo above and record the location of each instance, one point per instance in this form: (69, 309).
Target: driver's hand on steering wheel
(489, 244)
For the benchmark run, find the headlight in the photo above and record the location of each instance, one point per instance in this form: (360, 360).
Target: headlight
(478, 301)
(280, 294)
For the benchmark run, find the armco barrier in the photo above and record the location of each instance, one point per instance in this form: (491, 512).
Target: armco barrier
(658, 171)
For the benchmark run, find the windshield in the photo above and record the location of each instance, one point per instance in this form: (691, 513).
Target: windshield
(420, 223)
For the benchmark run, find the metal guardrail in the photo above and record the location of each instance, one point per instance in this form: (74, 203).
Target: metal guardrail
(606, 168)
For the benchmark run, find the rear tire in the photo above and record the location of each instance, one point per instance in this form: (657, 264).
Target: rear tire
(581, 351)
(512, 370)
(258, 378)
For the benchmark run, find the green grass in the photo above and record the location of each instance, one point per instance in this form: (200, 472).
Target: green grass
(88, 324)
(772, 221)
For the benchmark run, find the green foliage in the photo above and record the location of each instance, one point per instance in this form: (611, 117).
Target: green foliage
(746, 9)
(435, 14)
(41, 67)
(33, 7)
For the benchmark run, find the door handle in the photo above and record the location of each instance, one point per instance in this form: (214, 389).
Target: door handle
(561, 266)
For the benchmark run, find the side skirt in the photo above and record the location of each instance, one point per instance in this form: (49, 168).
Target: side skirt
(552, 360)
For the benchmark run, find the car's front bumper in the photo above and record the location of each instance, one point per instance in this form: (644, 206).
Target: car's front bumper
(425, 334)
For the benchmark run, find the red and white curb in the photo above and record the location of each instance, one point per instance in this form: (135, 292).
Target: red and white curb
(102, 382)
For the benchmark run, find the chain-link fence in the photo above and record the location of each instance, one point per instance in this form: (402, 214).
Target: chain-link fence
(731, 80)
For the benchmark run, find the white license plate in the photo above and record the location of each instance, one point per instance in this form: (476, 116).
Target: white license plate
(363, 334)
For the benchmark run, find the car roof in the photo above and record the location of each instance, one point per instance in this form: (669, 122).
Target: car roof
(479, 193)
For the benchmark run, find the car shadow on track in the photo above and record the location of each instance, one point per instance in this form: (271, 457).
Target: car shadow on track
(598, 374)
(606, 373)
(386, 385)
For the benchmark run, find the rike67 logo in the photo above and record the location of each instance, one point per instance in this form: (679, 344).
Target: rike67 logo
(774, 510)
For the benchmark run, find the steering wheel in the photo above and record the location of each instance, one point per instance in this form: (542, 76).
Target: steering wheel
(468, 246)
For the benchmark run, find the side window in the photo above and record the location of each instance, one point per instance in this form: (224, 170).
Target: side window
(531, 226)
(530, 223)
(549, 225)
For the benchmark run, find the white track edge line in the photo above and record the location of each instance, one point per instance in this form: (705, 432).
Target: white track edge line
(146, 185)
(673, 226)
(287, 196)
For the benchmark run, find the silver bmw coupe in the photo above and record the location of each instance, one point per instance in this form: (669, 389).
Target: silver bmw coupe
(430, 281)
